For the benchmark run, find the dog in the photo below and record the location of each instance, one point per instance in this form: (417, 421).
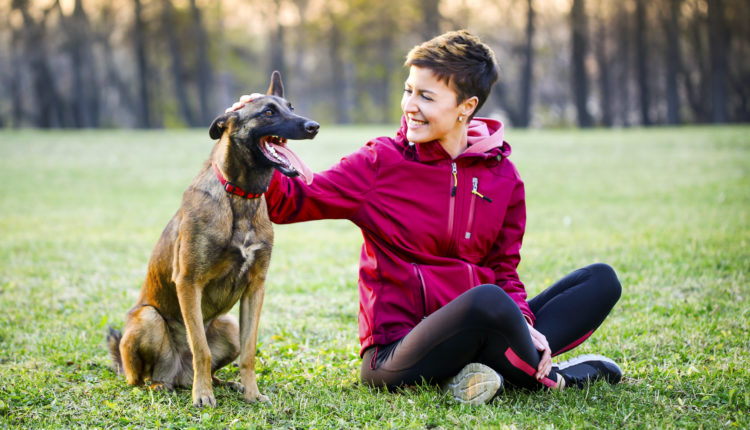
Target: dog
(213, 253)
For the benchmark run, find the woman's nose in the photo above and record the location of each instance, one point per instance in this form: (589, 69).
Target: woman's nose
(408, 104)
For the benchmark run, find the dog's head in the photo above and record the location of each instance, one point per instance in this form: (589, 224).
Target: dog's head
(264, 125)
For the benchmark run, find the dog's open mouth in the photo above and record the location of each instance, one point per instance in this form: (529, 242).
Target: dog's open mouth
(284, 160)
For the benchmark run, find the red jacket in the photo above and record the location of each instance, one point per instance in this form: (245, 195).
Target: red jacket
(429, 235)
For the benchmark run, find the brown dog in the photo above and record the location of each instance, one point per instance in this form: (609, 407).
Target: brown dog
(214, 252)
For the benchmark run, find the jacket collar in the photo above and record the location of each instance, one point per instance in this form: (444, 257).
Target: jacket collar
(485, 138)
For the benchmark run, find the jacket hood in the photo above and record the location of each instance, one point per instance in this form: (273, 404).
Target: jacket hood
(484, 135)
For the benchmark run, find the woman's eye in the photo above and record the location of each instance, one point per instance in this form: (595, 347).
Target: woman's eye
(426, 98)
(407, 91)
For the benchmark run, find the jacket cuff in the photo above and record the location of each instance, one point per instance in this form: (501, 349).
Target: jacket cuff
(529, 319)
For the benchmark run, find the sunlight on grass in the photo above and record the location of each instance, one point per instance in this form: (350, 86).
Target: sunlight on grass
(668, 208)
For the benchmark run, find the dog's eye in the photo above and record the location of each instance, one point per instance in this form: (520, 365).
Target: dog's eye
(269, 112)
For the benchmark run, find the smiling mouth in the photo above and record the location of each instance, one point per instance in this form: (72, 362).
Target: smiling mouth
(413, 123)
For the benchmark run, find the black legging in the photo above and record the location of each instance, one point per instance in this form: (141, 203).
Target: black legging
(485, 325)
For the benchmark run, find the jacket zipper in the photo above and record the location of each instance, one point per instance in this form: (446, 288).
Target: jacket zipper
(452, 204)
(423, 290)
(474, 186)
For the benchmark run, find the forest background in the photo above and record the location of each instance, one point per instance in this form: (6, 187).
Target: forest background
(178, 63)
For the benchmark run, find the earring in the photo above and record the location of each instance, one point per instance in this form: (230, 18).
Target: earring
(460, 118)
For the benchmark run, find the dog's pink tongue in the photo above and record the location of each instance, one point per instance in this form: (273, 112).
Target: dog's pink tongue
(303, 169)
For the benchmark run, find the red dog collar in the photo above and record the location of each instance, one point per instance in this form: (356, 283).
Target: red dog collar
(231, 188)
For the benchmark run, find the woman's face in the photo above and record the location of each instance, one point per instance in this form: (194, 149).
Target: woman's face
(431, 110)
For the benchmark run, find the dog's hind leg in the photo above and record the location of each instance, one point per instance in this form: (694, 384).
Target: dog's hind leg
(223, 336)
(146, 350)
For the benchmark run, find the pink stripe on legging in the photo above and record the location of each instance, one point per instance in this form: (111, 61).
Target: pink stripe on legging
(574, 344)
(516, 361)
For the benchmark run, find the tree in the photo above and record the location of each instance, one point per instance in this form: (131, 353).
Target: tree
(642, 61)
(602, 60)
(339, 80)
(205, 111)
(276, 44)
(719, 41)
(139, 29)
(177, 63)
(673, 61)
(580, 78)
(52, 112)
(431, 18)
(527, 75)
(622, 90)
(85, 98)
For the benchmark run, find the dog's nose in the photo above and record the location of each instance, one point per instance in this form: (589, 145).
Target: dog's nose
(311, 127)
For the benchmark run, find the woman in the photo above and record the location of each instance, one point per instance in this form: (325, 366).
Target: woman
(442, 212)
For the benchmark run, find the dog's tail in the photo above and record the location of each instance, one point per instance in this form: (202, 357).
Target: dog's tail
(113, 341)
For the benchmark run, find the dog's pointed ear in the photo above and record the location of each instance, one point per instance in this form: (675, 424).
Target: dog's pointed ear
(221, 123)
(277, 87)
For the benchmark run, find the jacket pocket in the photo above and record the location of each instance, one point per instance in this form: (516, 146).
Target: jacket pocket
(441, 284)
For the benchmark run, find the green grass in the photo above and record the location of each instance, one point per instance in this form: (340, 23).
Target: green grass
(668, 208)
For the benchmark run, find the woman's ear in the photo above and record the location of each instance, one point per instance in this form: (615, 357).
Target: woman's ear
(468, 106)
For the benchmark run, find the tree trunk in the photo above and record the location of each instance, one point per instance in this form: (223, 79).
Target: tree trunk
(527, 74)
(85, 98)
(642, 61)
(205, 105)
(17, 115)
(277, 47)
(124, 99)
(178, 67)
(431, 15)
(338, 75)
(697, 89)
(144, 113)
(673, 62)
(580, 79)
(719, 41)
(602, 60)
(49, 113)
(623, 65)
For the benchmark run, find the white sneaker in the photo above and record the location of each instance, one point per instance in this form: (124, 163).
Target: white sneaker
(475, 384)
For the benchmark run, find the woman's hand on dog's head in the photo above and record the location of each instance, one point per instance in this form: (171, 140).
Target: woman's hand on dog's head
(247, 98)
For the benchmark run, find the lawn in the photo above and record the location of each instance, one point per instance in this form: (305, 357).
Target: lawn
(668, 208)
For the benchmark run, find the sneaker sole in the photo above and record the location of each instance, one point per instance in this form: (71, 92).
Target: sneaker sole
(475, 384)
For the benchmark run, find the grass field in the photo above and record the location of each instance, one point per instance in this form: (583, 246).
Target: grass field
(668, 208)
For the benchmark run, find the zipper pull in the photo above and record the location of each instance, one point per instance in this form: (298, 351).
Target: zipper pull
(455, 179)
(475, 188)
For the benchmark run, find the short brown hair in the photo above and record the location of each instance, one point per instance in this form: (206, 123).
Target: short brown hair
(461, 60)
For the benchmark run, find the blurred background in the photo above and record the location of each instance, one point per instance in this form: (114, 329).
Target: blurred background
(179, 63)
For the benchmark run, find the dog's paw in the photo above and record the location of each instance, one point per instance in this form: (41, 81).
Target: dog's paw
(236, 386)
(203, 398)
(256, 397)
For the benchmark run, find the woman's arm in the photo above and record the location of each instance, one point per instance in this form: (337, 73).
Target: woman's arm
(336, 193)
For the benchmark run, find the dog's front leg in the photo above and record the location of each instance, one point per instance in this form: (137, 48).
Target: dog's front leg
(189, 296)
(250, 306)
